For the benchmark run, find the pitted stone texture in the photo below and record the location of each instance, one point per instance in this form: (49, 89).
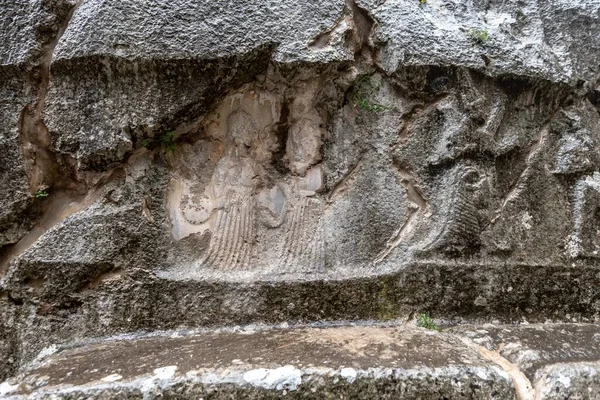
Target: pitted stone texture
(15, 195)
(569, 381)
(351, 362)
(309, 187)
(138, 70)
(9, 339)
(540, 39)
(561, 360)
(27, 29)
(135, 299)
(186, 29)
(126, 102)
(122, 224)
(104, 68)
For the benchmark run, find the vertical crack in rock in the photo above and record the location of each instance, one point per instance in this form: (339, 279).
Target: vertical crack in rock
(324, 38)
(43, 166)
(363, 25)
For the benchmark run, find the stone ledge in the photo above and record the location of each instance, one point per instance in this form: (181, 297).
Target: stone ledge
(538, 361)
(344, 362)
(561, 361)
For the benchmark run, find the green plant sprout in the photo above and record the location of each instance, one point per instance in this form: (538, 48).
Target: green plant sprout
(480, 36)
(364, 89)
(425, 321)
(40, 194)
(168, 142)
(365, 104)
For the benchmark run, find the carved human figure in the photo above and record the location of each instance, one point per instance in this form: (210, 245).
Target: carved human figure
(585, 237)
(231, 192)
(576, 156)
(468, 133)
(464, 188)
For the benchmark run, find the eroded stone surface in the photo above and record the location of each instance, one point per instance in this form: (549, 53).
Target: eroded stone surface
(534, 38)
(169, 63)
(569, 381)
(345, 361)
(28, 29)
(117, 226)
(273, 161)
(535, 346)
(561, 360)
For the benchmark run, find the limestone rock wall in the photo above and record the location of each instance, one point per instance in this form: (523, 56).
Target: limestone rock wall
(182, 163)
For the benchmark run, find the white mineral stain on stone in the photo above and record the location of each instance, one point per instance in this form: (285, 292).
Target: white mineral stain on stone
(165, 372)
(502, 372)
(7, 388)
(348, 374)
(528, 356)
(112, 378)
(526, 220)
(482, 374)
(564, 380)
(255, 375)
(495, 19)
(46, 352)
(287, 377)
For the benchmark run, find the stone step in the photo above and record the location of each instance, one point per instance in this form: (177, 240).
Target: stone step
(545, 361)
(557, 361)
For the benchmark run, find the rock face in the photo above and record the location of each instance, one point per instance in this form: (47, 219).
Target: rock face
(176, 164)
(29, 30)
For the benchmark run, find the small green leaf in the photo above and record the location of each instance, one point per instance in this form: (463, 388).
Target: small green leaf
(479, 35)
(40, 194)
(425, 321)
(365, 89)
(170, 148)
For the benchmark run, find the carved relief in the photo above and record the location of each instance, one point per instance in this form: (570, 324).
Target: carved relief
(458, 177)
(231, 244)
(461, 227)
(585, 239)
(460, 131)
(271, 207)
(253, 215)
(575, 157)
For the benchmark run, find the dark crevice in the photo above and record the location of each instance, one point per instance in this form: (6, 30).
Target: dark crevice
(14, 300)
(594, 96)
(46, 171)
(45, 167)
(283, 127)
(5, 257)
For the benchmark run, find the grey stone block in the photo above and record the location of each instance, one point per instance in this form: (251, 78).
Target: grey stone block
(340, 362)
